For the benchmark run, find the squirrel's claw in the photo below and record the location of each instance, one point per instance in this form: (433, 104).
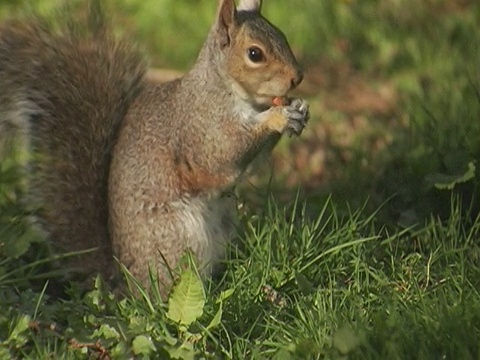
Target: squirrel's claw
(298, 115)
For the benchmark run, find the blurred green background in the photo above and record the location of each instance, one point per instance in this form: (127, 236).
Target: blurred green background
(387, 168)
(393, 87)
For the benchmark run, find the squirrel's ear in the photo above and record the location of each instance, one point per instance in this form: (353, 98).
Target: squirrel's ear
(225, 21)
(250, 5)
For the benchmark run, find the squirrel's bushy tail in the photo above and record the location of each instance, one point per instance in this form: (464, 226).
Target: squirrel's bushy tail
(69, 89)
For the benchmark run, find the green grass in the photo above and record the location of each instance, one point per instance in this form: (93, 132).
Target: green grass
(381, 260)
(333, 287)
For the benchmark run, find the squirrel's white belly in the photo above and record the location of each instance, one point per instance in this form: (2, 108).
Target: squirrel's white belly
(208, 225)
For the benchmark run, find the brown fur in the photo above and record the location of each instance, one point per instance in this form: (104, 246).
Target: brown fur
(180, 146)
(72, 91)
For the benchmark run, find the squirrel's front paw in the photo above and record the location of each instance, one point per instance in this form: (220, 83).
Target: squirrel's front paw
(297, 114)
(290, 119)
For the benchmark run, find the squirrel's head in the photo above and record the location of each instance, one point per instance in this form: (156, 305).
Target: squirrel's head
(254, 54)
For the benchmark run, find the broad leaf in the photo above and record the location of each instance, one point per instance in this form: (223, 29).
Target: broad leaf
(448, 181)
(142, 345)
(187, 300)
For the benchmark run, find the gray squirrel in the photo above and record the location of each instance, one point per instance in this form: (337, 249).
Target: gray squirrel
(138, 169)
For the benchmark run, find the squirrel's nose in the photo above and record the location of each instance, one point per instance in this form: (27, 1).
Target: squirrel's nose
(297, 79)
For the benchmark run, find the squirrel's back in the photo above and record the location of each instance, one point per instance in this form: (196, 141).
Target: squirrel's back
(69, 89)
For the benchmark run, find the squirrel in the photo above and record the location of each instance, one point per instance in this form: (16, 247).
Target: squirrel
(141, 170)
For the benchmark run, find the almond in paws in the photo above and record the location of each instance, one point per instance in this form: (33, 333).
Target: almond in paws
(279, 101)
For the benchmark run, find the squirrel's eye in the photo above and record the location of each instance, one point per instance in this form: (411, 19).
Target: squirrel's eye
(255, 54)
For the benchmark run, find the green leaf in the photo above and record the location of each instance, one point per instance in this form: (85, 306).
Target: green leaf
(16, 246)
(224, 295)
(305, 349)
(448, 181)
(94, 298)
(5, 353)
(142, 345)
(283, 354)
(120, 350)
(183, 352)
(218, 315)
(107, 332)
(345, 340)
(187, 300)
(216, 319)
(22, 325)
